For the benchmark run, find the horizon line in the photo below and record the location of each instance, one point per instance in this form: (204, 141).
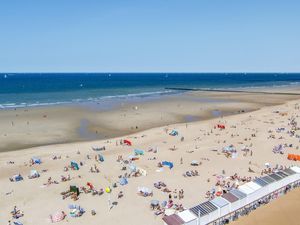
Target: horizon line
(156, 72)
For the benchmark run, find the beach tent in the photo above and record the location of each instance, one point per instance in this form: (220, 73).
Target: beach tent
(16, 177)
(138, 152)
(127, 142)
(206, 212)
(36, 160)
(172, 219)
(173, 133)
(222, 204)
(188, 217)
(74, 165)
(293, 157)
(234, 201)
(34, 174)
(169, 164)
(101, 158)
(123, 181)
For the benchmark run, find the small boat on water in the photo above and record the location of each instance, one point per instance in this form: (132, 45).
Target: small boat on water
(5, 76)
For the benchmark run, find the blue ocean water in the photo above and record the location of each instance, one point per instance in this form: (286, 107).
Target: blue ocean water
(17, 90)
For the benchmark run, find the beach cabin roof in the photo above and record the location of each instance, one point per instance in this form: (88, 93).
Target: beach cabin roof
(230, 197)
(203, 208)
(254, 185)
(173, 220)
(260, 182)
(187, 216)
(289, 171)
(220, 202)
(296, 169)
(268, 179)
(238, 193)
(275, 177)
(282, 174)
(246, 189)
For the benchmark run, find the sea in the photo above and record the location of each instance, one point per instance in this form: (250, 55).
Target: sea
(42, 89)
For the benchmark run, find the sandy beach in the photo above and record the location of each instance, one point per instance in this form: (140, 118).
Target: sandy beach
(281, 211)
(35, 126)
(251, 122)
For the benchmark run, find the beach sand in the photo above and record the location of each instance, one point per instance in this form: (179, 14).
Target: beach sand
(202, 142)
(283, 210)
(28, 127)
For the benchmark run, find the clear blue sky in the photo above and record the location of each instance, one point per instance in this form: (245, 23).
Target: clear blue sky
(149, 35)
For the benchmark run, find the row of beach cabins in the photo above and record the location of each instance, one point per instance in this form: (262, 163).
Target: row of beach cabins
(238, 202)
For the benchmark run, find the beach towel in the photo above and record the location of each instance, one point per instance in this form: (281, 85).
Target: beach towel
(123, 181)
(173, 133)
(57, 217)
(138, 152)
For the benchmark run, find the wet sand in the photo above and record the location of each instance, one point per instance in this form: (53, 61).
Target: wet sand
(284, 210)
(28, 127)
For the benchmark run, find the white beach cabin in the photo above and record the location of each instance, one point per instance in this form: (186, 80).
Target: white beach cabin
(188, 217)
(223, 205)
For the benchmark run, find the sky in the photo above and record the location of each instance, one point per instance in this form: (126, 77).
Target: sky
(150, 36)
